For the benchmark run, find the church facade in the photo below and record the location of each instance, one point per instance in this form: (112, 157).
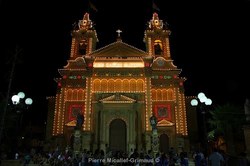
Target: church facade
(117, 88)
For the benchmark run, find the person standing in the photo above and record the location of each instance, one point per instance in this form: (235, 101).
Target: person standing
(215, 158)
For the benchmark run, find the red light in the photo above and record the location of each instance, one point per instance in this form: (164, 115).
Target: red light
(79, 77)
(175, 76)
(161, 77)
(64, 77)
(59, 84)
(90, 65)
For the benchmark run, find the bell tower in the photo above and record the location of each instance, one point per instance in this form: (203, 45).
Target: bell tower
(84, 38)
(157, 38)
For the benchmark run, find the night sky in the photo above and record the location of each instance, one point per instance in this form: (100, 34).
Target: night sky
(209, 42)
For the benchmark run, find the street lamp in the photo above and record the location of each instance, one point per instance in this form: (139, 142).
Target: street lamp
(20, 104)
(202, 102)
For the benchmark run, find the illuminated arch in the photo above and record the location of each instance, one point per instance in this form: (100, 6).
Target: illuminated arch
(97, 85)
(158, 47)
(153, 91)
(74, 97)
(139, 85)
(164, 94)
(118, 85)
(104, 85)
(111, 85)
(170, 94)
(132, 84)
(158, 95)
(69, 94)
(80, 94)
(125, 85)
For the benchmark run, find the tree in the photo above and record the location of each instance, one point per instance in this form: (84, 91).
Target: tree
(227, 121)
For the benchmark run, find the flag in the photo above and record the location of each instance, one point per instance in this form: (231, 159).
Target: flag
(92, 6)
(155, 7)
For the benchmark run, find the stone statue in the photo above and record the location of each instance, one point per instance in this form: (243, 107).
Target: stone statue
(153, 122)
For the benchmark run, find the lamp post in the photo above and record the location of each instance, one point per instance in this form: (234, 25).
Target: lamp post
(201, 102)
(20, 104)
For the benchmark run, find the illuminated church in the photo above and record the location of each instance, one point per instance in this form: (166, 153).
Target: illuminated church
(118, 88)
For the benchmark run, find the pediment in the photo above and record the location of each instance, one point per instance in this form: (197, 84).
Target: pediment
(78, 63)
(119, 49)
(161, 63)
(164, 123)
(71, 123)
(117, 98)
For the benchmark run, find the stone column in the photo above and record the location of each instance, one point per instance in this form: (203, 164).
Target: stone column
(77, 141)
(86, 140)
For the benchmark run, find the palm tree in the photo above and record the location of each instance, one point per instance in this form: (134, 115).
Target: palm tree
(227, 121)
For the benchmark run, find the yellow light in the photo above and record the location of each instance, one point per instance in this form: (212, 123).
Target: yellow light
(118, 65)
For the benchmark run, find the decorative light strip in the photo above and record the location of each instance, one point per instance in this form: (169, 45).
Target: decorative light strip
(90, 105)
(90, 44)
(74, 77)
(185, 115)
(86, 102)
(60, 113)
(55, 116)
(149, 44)
(118, 101)
(118, 65)
(72, 47)
(176, 120)
(161, 77)
(146, 103)
(168, 47)
(180, 101)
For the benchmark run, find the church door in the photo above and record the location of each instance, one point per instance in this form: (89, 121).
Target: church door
(117, 135)
(164, 143)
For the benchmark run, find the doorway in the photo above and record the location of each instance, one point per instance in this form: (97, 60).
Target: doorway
(164, 143)
(117, 135)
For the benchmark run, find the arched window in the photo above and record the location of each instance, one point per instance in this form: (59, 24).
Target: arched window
(111, 85)
(153, 94)
(164, 94)
(139, 85)
(126, 85)
(132, 85)
(104, 85)
(80, 94)
(170, 94)
(118, 85)
(158, 47)
(97, 85)
(69, 94)
(75, 94)
(158, 95)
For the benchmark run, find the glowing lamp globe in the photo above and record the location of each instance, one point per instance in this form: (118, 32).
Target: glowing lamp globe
(15, 99)
(21, 95)
(201, 95)
(28, 101)
(194, 102)
(208, 102)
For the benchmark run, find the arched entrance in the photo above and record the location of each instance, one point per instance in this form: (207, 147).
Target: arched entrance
(117, 135)
(164, 143)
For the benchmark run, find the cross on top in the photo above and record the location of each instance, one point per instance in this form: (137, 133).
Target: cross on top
(119, 32)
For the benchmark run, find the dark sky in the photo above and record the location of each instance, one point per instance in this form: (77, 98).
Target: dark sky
(209, 42)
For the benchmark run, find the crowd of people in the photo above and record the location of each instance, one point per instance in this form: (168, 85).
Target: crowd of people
(67, 157)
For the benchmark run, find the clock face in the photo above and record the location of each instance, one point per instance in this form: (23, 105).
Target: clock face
(160, 62)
